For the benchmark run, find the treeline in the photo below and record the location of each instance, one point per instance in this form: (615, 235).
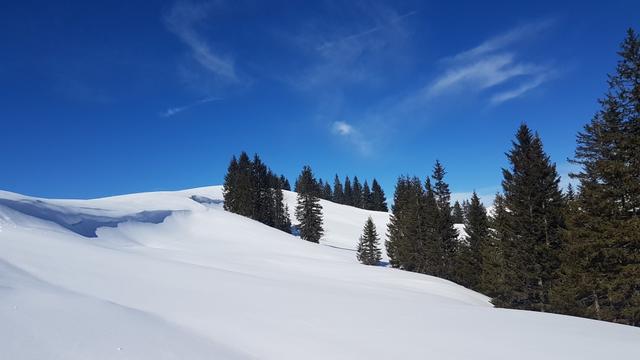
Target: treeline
(251, 189)
(351, 193)
(575, 253)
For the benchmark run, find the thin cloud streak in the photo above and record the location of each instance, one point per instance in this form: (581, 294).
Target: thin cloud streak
(352, 135)
(175, 110)
(182, 21)
(490, 64)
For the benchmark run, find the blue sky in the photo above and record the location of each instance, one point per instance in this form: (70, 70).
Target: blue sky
(104, 98)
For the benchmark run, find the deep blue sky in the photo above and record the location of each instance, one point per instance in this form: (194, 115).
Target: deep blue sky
(116, 97)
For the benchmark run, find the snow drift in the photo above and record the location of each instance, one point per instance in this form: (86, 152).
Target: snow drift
(171, 275)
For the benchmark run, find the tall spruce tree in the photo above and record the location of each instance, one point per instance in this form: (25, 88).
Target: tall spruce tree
(348, 192)
(458, 213)
(367, 197)
(369, 252)
(476, 226)
(600, 275)
(535, 215)
(448, 235)
(405, 238)
(308, 209)
(229, 189)
(284, 183)
(493, 267)
(378, 197)
(338, 192)
(327, 194)
(356, 193)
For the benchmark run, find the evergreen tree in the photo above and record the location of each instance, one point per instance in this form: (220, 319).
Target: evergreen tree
(476, 225)
(263, 204)
(458, 213)
(535, 205)
(309, 210)
(338, 192)
(281, 218)
(245, 187)
(369, 245)
(356, 193)
(600, 275)
(327, 194)
(435, 261)
(493, 267)
(448, 235)
(348, 192)
(405, 231)
(367, 197)
(378, 197)
(284, 183)
(229, 189)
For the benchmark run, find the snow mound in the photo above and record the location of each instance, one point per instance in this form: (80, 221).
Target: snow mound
(203, 283)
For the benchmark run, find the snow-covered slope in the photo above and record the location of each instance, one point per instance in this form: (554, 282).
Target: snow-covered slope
(170, 275)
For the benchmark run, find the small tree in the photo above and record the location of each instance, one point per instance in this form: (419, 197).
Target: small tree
(369, 252)
(309, 210)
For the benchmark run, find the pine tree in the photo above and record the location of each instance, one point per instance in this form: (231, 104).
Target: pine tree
(309, 210)
(369, 252)
(367, 197)
(458, 213)
(229, 189)
(327, 194)
(245, 187)
(284, 183)
(448, 235)
(348, 192)
(405, 231)
(378, 197)
(535, 207)
(356, 193)
(263, 204)
(476, 225)
(435, 261)
(281, 218)
(600, 275)
(338, 192)
(493, 267)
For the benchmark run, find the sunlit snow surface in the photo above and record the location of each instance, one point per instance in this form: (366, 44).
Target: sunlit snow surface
(171, 275)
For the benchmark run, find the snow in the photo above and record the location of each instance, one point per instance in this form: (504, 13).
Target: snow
(202, 283)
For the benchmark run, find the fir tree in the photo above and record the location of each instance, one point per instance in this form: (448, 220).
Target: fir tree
(309, 210)
(356, 193)
(476, 226)
(600, 275)
(327, 194)
(245, 187)
(284, 183)
(378, 197)
(367, 197)
(369, 245)
(281, 218)
(535, 205)
(229, 189)
(458, 213)
(348, 192)
(448, 235)
(338, 192)
(493, 267)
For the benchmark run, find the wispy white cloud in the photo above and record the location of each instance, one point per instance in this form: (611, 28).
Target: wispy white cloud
(175, 110)
(492, 63)
(352, 135)
(183, 21)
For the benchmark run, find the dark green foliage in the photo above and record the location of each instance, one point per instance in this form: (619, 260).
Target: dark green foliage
(458, 213)
(327, 194)
(493, 266)
(338, 192)
(469, 254)
(348, 192)
(447, 234)
(369, 252)
(378, 198)
(405, 238)
(367, 197)
(284, 183)
(356, 193)
(309, 210)
(252, 190)
(535, 221)
(600, 275)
